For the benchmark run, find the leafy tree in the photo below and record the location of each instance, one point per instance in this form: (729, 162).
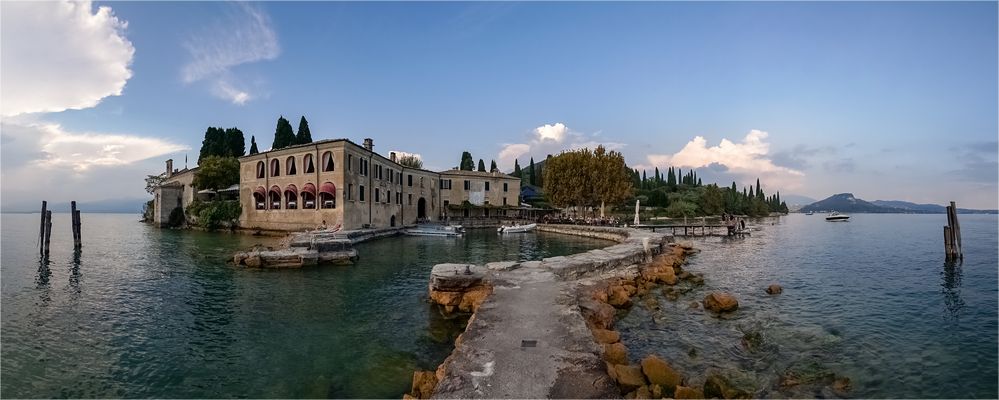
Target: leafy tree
(214, 144)
(236, 143)
(492, 166)
(154, 181)
(304, 135)
(467, 163)
(253, 145)
(482, 166)
(283, 134)
(587, 178)
(411, 161)
(530, 172)
(712, 200)
(610, 172)
(216, 172)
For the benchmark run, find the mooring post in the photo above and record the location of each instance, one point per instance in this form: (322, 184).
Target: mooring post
(952, 234)
(41, 229)
(72, 220)
(48, 230)
(957, 229)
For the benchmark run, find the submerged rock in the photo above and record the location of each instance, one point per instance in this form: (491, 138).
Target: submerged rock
(618, 296)
(606, 336)
(659, 372)
(774, 289)
(616, 353)
(424, 383)
(719, 386)
(683, 392)
(629, 377)
(720, 302)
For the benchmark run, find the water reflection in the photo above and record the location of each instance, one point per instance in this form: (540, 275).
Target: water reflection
(74, 272)
(952, 289)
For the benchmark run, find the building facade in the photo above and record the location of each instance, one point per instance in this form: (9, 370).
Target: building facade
(176, 190)
(339, 183)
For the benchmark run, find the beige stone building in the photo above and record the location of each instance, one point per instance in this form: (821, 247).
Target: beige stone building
(343, 184)
(175, 191)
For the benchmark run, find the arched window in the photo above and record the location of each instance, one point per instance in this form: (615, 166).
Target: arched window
(290, 166)
(310, 165)
(274, 195)
(327, 195)
(308, 195)
(328, 161)
(260, 196)
(291, 197)
(260, 170)
(275, 167)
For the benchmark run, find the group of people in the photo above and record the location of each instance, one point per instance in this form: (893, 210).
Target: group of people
(733, 223)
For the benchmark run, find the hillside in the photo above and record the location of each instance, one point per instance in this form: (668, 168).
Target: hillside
(846, 202)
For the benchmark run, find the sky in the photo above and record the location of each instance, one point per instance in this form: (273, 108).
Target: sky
(890, 101)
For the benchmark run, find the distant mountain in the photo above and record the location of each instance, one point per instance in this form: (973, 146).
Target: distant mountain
(927, 208)
(96, 206)
(793, 199)
(846, 202)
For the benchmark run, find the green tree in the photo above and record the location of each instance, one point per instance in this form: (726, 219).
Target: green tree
(214, 144)
(467, 163)
(611, 175)
(304, 135)
(712, 200)
(216, 172)
(482, 166)
(411, 161)
(153, 182)
(253, 145)
(530, 172)
(284, 136)
(516, 168)
(236, 143)
(492, 166)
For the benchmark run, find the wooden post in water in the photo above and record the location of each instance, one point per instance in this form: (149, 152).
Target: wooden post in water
(41, 229)
(952, 235)
(79, 231)
(75, 224)
(48, 230)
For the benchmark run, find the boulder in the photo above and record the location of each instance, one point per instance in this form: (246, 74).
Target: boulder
(606, 336)
(424, 383)
(841, 386)
(238, 258)
(720, 302)
(683, 392)
(659, 372)
(597, 314)
(629, 377)
(643, 392)
(657, 391)
(774, 289)
(718, 386)
(253, 261)
(618, 296)
(616, 353)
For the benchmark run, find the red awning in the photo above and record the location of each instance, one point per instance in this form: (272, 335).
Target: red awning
(291, 188)
(260, 190)
(309, 188)
(276, 189)
(328, 187)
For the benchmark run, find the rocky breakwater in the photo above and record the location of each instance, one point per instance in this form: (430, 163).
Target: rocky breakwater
(528, 337)
(304, 249)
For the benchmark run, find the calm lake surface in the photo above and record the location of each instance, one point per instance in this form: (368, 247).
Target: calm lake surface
(145, 312)
(870, 300)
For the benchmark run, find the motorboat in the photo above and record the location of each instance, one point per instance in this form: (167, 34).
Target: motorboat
(516, 228)
(809, 213)
(835, 216)
(436, 230)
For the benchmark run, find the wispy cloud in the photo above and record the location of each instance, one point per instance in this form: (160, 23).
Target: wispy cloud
(244, 35)
(60, 55)
(550, 139)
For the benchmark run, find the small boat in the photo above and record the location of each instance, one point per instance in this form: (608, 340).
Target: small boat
(516, 228)
(436, 230)
(809, 213)
(835, 216)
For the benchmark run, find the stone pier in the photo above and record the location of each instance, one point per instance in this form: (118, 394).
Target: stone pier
(528, 337)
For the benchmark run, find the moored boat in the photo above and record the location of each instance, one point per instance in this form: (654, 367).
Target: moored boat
(835, 216)
(516, 228)
(436, 230)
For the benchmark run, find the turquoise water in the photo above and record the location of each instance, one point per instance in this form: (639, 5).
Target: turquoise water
(160, 313)
(871, 300)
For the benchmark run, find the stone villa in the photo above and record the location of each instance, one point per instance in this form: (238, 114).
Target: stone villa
(342, 183)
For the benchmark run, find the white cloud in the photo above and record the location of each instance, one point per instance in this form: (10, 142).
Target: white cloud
(549, 139)
(244, 36)
(60, 55)
(58, 149)
(748, 159)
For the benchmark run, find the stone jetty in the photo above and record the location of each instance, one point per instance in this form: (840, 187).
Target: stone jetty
(304, 249)
(539, 327)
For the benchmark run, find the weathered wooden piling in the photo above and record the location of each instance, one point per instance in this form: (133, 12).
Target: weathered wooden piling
(48, 231)
(75, 224)
(79, 231)
(952, 235)
(41, 229)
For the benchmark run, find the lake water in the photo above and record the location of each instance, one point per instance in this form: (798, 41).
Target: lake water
(871, 300)
(145, 312)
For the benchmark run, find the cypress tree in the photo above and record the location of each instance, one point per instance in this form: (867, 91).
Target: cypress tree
(492, 166)
(644, 179)
(482, 166)
(657, 176)
(253, 145)
(284, 136)
(467, 163)
(236, 143)
(304, 135)
(530, 171)
(516, 168)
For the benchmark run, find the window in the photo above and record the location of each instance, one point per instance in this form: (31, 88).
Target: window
(398, 198)
(360, 193)
(350, 162)
(398, 177)
(309, 165)
(468, 185)
(275, 168)
(487, 186)
(410, 199)
(378, 171)
(410, 180)
(364, 167)
(446, 184)
(421, 181)
(388, 196)
(485, 212)
(290, 166)
(504, 201)
(327, 195)
(260, 170)
(378, 197)
(446, 203)
(350, 191)
(505, 186)
(328, 164)
(391, 176)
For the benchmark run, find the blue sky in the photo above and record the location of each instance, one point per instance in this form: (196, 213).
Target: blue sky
(885, 100)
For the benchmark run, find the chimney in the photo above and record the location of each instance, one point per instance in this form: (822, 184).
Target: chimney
(169, 165)
(368, 144)
(392, 156)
